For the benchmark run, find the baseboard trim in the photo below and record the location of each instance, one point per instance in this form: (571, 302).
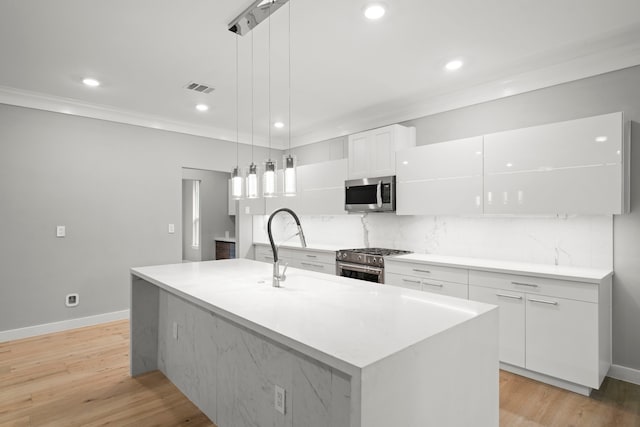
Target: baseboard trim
(576, 388)
(623, 373)
(47, 328)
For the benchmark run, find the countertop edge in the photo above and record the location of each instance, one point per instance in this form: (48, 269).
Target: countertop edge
(598, 276)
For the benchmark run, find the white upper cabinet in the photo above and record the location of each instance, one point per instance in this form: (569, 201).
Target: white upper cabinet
(320, 190)
(373, 153)
(575, 167)
(439, 179)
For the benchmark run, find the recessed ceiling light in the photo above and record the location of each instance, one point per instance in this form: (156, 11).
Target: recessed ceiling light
(456, 64)
(279, 125)
(374, 11)
(509, 165)
(202, 107)
(91, 82)
(601, 139)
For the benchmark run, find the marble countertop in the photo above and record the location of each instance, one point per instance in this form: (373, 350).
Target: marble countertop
(295, 244)
(354, 322)
(579, 274)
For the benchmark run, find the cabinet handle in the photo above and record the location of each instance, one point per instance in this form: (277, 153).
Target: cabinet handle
(311, 256)
(532, 285)
(421, 271)
(508, 296)
(411, 281)
(311, 264)
(543, 301)
(435, 285)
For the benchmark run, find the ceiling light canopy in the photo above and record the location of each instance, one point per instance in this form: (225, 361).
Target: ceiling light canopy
(454, 65)
(88, 81)
(374, 11)
(257, 12)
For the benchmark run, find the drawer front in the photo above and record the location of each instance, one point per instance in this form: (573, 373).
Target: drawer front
(313, 256)
(399, 280)
(263, 253)
(535, 285)
(451, 289)
(427, 271)
(314, 266)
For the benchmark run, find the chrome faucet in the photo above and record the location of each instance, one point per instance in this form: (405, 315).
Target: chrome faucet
(277, 276)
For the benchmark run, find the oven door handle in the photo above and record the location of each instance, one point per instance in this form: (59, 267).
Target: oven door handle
(360, 268)
(379, 193)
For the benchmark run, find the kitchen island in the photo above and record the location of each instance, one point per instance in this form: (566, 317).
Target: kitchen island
(346, 353)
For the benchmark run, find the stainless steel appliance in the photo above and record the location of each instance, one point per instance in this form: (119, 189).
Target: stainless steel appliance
(370, 194)
(364, 264)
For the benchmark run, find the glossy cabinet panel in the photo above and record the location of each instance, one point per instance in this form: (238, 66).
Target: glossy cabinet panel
(512, 321)
(373, 153)
(567, 167)
(442, 178)
(442, 280)
(320, 190)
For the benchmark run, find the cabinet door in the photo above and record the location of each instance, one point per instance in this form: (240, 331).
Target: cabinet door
(562, 339)
(567, 167)
(439, 179)
(359, 155)
(512, 321)
(383, 154)
(321, 188)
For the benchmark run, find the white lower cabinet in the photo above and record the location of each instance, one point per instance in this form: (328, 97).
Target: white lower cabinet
(562, 339)
(557, 328)
(428, 278)
(512, 318)
(303, 258)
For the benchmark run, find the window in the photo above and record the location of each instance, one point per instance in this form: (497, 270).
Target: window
(195, 215)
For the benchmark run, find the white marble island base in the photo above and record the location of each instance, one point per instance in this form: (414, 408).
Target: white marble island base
(236, 341)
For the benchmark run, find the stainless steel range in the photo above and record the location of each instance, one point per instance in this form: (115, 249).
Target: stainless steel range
(364, 264)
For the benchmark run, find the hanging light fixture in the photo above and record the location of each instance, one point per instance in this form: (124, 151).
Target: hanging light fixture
(252, 172)
(236, 174)
(269, 178)
(289, 161)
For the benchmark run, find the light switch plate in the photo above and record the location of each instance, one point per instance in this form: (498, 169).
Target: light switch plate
(61, 231)
(172, 228)
(279, 399)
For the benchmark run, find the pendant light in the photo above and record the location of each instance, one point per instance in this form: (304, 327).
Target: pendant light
(269, 179)
(289, 161)
(252, 173)
(236, 174)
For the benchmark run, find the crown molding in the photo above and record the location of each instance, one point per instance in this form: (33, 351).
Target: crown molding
(39, 101)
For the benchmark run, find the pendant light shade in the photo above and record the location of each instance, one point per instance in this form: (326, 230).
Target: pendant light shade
(252, 181)
(289, 163)
(236, 183)
(269, 180)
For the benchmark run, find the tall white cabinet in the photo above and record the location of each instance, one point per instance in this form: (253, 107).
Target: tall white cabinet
(373, 153)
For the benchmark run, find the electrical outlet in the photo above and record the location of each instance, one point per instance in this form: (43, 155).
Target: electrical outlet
(280, 395)
(72, 300)
(61, 231)
(172, 228)
(175, 330)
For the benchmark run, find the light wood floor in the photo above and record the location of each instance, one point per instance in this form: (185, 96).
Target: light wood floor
(81, 378)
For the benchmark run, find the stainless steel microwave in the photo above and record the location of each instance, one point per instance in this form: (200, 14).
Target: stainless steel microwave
(370, 194)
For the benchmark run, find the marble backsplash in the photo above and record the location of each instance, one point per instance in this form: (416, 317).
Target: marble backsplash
(569, 240)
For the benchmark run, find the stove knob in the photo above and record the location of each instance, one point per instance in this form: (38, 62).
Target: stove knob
(359, 257)
(344, 255)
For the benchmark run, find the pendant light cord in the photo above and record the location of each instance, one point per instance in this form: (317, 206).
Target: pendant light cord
(269, 78)
(290, 76)
(237, 109)
(252, 100)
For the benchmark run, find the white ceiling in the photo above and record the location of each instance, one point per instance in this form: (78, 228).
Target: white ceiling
(348, 74)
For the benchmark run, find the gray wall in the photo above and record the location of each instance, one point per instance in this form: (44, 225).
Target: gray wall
(116, 187)
(616, 91)
(214, 208)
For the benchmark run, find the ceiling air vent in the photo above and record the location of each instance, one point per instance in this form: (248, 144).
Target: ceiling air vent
(199, 87)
